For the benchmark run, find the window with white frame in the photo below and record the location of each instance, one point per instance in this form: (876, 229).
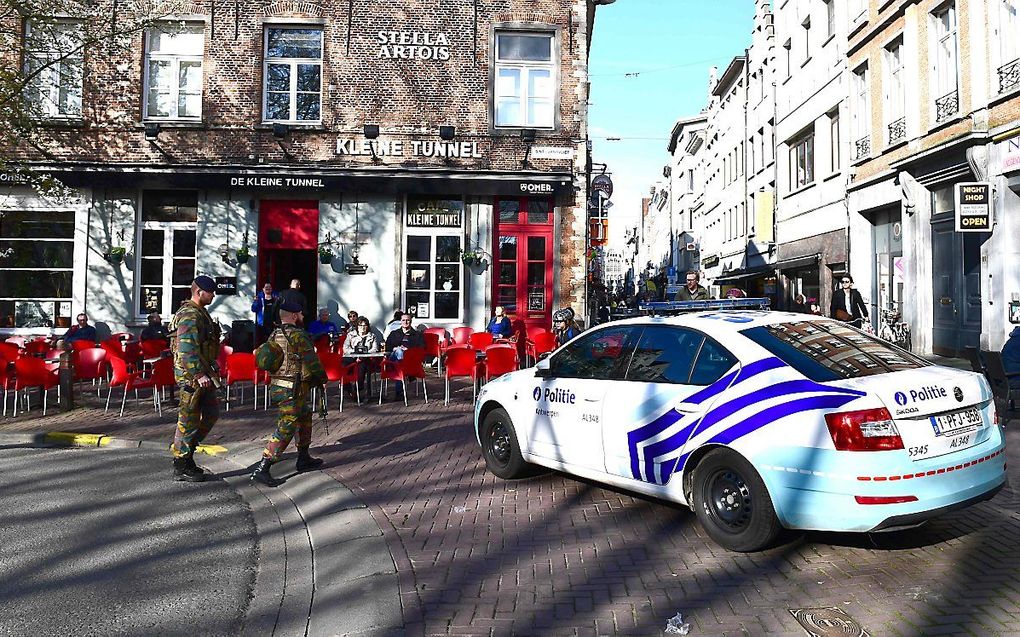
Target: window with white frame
(1008, 70)
(53, 68)
(293, 74)
(830, 18)
(433, 241)
(173, 71)
(37, 268)
(944, 61)
(860, 114)
(834, 140)
(802, 160)
(525, 72)
(166, 255)
(894, 97)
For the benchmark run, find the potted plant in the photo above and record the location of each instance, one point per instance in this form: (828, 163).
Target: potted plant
(325, 254)
(242, 254)
(474, 260)
(115, 255)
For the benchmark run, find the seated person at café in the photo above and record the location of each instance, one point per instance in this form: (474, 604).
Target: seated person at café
(361, 342)
(80, 332)
(154, 329)
(499, 325)
(403, 339)
(352, 322)
(322, 326)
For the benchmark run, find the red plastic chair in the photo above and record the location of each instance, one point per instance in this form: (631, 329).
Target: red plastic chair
(241, 368)
(82, 345)
(10, 351)
(323, 345)
(162, 377)
(37, 347)
(461, 360)
(440, 332)
(7, 379)
(432, 345)
(32, 372)
(462, 335)
(153, 347)
(91, 364)
(337, 372)
(542, 342)
(121, 377)
(221, 358)
(481, 340)
(499, 359)
(410, 367)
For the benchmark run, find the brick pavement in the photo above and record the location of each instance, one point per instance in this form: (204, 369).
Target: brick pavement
(553, 555)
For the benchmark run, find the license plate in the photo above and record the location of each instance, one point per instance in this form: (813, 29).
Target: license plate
(950, 424)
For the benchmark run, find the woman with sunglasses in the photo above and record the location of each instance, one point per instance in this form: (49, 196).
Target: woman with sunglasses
(847, 304)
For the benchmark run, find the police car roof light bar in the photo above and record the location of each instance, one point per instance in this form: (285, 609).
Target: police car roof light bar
(679, 307)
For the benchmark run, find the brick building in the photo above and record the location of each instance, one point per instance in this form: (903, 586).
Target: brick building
(935, 101)
(396, 137)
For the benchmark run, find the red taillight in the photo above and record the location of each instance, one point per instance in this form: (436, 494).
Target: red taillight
(864, 430)
(884, 499)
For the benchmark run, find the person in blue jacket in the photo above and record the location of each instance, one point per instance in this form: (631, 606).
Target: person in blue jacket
(499, 324)
(323, 325)
(564, 326)
(262, 303)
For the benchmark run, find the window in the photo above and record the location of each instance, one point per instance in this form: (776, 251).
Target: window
(433, 277)
(1009, 45)
(802, 161)
(293, 75)
(807, 39)
(167, 249)
(834, 141)
(53, 69)
(861, 114)
(944, 62)
(665, 355)
(826, 352)
(830, 18)
(713, 361)
(36, 268)
(787, 46)
(894, 97)
(173, 72)
(524, 93)
(603, 354)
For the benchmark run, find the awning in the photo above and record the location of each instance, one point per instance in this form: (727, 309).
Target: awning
(799, 262)
(734, 277)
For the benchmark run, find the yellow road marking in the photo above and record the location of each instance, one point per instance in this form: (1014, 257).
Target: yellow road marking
(76, 439)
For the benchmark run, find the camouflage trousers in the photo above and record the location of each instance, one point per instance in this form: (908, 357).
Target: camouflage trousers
(294, 416)
(198, 412)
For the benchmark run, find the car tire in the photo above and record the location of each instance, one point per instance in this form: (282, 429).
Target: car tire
(500, 448)
(732, 503)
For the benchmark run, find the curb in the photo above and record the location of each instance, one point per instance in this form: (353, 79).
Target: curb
(72, 439)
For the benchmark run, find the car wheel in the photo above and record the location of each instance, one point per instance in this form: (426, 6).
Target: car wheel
(732, 504)
(500, 448)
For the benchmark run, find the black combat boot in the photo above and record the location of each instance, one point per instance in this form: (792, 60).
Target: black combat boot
(305, 461)
(183, 472)
(194, 467)
(262, 475)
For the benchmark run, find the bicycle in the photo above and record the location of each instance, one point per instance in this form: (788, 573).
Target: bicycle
(894, 330)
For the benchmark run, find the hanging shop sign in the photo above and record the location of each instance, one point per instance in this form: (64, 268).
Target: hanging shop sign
(412, 45)
(412, 148)
(226, 285)
(973, 207)
(434, 213)
(603, 185)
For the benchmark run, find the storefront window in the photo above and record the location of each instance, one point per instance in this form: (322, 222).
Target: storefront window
(433, 240)
(166, 252)
(36, 267)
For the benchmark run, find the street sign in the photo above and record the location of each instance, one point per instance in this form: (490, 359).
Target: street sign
(551, 152)
(603, 185)
(973, 207)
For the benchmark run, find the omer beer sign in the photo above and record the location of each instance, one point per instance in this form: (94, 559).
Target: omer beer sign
(973, 207)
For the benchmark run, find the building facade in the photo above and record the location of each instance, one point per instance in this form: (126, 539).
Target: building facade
(364, 150)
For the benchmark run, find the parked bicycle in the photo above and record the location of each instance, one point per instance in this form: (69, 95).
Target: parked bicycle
(894, 330)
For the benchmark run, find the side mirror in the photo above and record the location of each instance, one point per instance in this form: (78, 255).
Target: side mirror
(542, 369)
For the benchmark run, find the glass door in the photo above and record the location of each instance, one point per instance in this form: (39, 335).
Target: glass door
(167, 268)
(523, 278)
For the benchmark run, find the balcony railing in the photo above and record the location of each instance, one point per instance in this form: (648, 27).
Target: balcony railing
(947, 106)
(897, 130)
(1009, 76)
(862, 147)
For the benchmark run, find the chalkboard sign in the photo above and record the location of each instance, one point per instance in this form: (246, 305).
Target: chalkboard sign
(226, 285)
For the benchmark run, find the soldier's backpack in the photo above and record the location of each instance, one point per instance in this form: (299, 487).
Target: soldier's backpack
(269, 356)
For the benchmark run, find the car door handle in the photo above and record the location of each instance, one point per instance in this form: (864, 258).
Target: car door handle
(687, 409)
(591, 400)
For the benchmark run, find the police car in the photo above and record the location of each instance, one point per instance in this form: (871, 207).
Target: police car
(757, 420)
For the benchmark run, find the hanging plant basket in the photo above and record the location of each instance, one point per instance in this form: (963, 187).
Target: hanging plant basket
(242, 256)
(325, 257)
(478, 266)
(115, 255)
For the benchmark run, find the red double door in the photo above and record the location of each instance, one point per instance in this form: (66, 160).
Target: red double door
(522, 251)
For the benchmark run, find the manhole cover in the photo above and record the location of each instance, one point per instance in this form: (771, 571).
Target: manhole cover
(828, 622)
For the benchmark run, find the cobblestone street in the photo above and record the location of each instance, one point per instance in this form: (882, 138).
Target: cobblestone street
(553, 555)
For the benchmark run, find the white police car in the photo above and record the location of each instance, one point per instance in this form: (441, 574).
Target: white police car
(757, 420)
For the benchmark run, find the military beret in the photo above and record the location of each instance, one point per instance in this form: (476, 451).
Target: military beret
(291, 306)
(206, 283)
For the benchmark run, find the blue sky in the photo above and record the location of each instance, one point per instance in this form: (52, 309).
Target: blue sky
(667, 47)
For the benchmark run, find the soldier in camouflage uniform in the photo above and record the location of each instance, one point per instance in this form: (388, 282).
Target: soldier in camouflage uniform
(290, 388)
(195, 340)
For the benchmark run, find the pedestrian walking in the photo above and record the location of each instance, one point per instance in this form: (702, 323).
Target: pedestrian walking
(693, 290)
(194, 341)
(297, 371)
(262, 306)
(847, 304)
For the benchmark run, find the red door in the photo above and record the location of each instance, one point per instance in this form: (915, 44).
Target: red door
(523, 258)
(288, 245)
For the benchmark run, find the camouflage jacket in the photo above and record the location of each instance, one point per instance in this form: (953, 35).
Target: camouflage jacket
(300, 362)
(194, 340)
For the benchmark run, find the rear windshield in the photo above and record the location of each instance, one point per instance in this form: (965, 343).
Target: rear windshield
(831, 351)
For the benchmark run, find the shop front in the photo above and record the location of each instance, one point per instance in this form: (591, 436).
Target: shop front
(810, 266)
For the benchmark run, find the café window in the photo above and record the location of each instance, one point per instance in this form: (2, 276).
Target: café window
(525, 82)
(53, 67)
(36, 268)
(433, 273)
(293, 75)
(166, 252)
(173, 71)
